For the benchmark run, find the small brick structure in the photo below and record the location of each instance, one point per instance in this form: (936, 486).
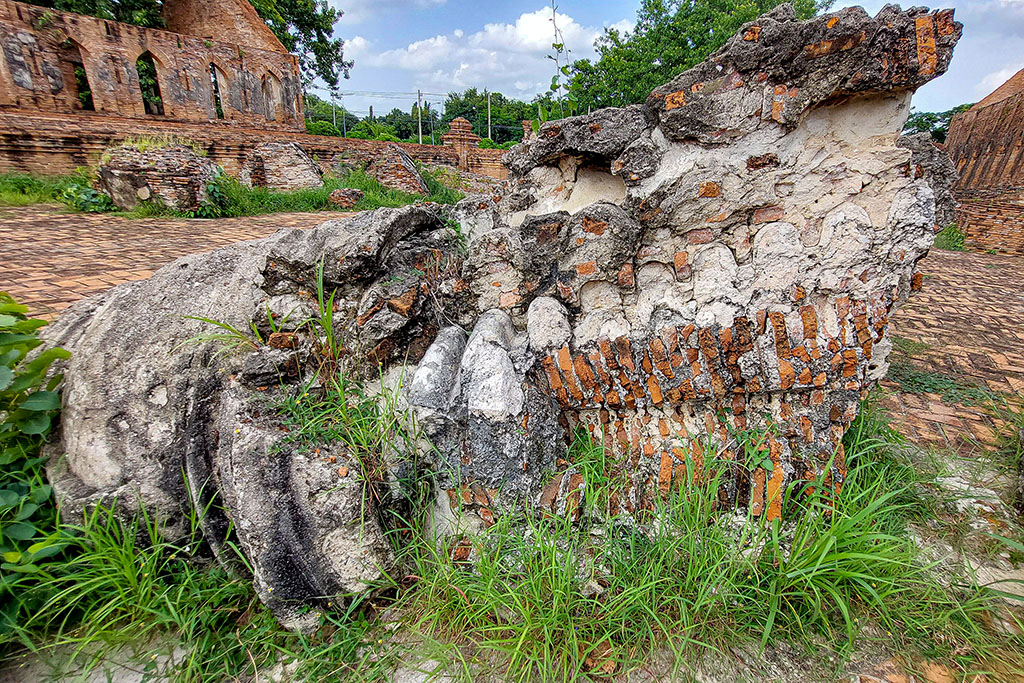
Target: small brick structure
(985, 144)
(394, 168)
(173, 176)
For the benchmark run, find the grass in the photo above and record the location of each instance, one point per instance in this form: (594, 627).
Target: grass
(239, 200)
(543, 599)
(146, 143)
(842, 570)
(74, 191)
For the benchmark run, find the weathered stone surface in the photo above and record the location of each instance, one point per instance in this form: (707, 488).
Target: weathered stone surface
(143, 405)
(346, 197)
(656, 284)
(283, 166)
(394, 168)
(175, 176)
(930, 162)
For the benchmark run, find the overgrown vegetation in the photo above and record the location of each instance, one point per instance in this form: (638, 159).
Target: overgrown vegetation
(75, 191)
(916, 380)
(230, 198)
(28, 404)
(951, 238)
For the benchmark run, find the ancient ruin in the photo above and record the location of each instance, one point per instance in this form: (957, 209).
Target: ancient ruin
(985, 145)
(174, 176)
(720, 260)
(281, 166)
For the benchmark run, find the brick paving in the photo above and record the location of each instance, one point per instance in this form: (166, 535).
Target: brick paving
(968, 314)
(53, 258)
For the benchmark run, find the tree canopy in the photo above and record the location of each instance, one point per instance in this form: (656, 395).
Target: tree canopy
(936, 123)
(670, 36)
(304, 27)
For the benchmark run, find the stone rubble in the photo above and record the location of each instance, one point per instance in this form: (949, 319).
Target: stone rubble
(394, 168)
(721, 259)
(280, 166)
(346, 197)
(173, 175)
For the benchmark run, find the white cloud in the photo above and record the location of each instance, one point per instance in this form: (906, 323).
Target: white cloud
(508, 57)
(358, 11)
(995, 79)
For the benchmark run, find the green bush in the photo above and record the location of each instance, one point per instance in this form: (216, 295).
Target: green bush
(951, 238)
(74, 191)
(29, 402)
(322, 128)
(487, 143)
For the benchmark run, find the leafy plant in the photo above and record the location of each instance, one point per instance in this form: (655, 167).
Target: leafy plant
(322, 128)
(951, 238)
(28, 404)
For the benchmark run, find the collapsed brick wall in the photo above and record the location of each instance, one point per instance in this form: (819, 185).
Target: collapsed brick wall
(985, 143)
(49, 144)
(40, 49)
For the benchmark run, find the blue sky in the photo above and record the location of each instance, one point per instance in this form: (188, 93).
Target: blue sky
(443, 45)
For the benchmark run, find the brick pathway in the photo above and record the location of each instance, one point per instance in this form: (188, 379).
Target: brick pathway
(52, 258)
(968, 314)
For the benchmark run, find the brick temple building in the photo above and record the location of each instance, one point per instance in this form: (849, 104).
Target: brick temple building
(986, 143)
(215, 60)
(70, 85)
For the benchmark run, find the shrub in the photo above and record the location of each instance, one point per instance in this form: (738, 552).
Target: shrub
(951, 238)
(322, 128)
(487, 143)
(28, 404)
(75, 191)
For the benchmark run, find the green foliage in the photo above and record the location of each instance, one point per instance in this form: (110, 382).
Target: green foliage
(322, 128)
(83, 88)
(936, 123)
(317, 109)
(29, 402)
(373, 130)
(487, 143)
(230, 198)
(306, 29)
(75, 191)
(915, 380)
(951, 238)
(149, 85)
(670, 36)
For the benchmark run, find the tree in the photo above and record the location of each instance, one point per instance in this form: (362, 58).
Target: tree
(317, 109)
(304, 27)
(936, 123)
(670, 37)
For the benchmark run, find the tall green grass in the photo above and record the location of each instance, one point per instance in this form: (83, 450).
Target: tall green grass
(544, 598)
(552, 601)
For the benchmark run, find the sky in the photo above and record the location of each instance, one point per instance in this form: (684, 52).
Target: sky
(438, 46)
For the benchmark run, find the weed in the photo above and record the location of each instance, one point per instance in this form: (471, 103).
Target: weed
(950, 238)
(1009, 450)
(75, 191)
(908, 347)
(229, 339)
(146, 143)
(915, 380)
(553, 602)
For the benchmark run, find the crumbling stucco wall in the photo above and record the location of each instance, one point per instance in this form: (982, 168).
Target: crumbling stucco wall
(40, 47)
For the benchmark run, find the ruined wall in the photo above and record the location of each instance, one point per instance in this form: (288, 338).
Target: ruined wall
(985, 143)
(39, 49)
(229, 21)
(49, 144)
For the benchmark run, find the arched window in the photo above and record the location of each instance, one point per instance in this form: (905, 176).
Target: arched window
(72, 66)
(216, 76)
(145, 65)
(271, 96)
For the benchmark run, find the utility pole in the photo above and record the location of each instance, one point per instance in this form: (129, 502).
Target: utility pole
(489, 116)
(334, 112)
(419, 112)
(344, 115)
